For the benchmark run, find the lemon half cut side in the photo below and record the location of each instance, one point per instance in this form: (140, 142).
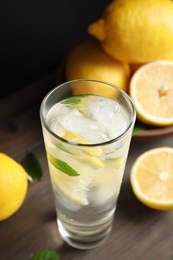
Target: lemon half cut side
(151, 178)
(151, 89)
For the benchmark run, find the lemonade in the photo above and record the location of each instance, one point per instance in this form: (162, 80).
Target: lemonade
(87, 139)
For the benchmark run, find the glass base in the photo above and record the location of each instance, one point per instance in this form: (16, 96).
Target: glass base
(84, 237)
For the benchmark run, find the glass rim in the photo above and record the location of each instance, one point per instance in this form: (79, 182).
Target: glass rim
(117, 138)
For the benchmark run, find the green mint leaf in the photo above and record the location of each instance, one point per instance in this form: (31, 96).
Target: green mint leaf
(62, 148)
(139, 127)
(32, 166)
(73, 101)
(46, 255)
(62, 166)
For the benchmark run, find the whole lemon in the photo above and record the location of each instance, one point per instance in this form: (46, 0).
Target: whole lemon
(168, 56)
(13, 186)
(89, 60)
(135, 31)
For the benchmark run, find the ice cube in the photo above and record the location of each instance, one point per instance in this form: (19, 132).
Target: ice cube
(110, 116)
(96, 119)
(88, 128)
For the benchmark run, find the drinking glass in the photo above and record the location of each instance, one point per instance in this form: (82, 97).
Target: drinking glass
(87, 127)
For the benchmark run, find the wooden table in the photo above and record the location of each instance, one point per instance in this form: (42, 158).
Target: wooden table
(138, 232)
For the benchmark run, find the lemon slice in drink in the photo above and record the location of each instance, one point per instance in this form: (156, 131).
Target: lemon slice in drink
(13, 186)
(75, 187)
(72, 188)
(151, 89)
(76, 138)
(94, 162)
(73, 175)
(151, 178)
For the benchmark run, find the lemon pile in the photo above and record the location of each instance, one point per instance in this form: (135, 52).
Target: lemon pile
(131, 47)
(13, 186)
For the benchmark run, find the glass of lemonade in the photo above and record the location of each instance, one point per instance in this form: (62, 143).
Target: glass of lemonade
(87, 127)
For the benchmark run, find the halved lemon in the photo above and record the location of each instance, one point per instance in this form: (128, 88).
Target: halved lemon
(151, 89)
(151, 178)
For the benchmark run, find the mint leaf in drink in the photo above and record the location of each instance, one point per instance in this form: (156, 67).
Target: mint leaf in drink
(32, 166)
(62, 166)
(73, 101)
(46, 255)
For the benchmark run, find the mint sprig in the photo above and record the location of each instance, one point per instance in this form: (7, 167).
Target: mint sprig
(46, 255)
(62, 166)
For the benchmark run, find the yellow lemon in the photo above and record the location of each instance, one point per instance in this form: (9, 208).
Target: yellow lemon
(88, 60)
(168, 56)
(151, 89)
(151, 178)
(13, 186)
(135, 31)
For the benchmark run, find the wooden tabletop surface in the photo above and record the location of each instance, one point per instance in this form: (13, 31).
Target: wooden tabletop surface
(138, 232)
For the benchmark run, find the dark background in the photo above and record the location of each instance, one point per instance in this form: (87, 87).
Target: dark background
(36, 35)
